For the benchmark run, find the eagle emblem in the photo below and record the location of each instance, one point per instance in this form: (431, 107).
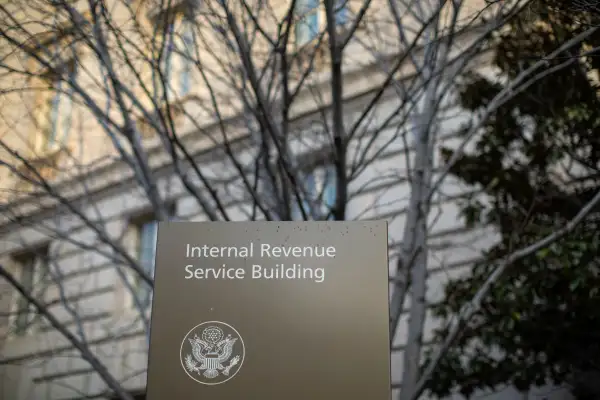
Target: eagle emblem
(214, 354)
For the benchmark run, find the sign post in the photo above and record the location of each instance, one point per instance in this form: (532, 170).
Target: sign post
(270, 311)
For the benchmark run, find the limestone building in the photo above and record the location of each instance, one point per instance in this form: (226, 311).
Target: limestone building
(79, 198)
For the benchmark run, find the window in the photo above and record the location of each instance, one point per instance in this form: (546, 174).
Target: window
(166, 60)
(177, 58)
(32, 272)
(146, 250)
(56, 111)
(307, 26)
(319, 187)
(59, 116)
(188, 39)
(143, 232)
(341, 12)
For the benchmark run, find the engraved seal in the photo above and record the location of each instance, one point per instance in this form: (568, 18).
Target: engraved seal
(212, 352)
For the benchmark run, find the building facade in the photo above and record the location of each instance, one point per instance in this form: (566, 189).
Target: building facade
(65, 243)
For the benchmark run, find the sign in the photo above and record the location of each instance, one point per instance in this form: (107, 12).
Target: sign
(270, 311)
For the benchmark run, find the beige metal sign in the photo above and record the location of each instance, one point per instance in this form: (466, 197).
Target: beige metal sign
(270, 311)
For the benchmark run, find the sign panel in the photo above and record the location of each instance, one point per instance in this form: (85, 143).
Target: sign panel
(270, 311)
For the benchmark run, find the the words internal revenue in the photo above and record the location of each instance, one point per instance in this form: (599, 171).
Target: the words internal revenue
(263, 250)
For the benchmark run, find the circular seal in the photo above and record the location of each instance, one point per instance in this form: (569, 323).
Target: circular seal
(212, 353)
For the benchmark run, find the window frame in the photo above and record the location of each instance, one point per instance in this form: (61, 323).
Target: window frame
(176, 58)
(312, 9)
(188, 41)
(53, 124)
(135, 227)
(164, 66)
(308, 13)
(37, 261)
(56, 131)
(321, 191)
(341, 9)
(147, 261)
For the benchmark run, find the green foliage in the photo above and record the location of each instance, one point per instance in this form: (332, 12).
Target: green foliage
(541, 323)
